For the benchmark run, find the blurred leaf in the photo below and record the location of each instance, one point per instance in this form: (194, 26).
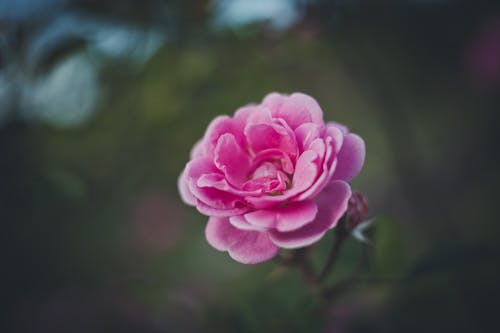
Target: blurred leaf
(391, 250)
(68, 183)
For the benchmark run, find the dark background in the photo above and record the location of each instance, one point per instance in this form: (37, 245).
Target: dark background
(100, 102)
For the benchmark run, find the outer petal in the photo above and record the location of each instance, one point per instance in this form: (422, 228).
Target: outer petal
(261, 218)
(247, 247)
(219, 126)
(254, 248)
(308, 104)
(350, 158)
(274, 102)
(295, 109)
(208, 210)
(238, 221)
(332, 204)
(199, 166)
(186, 194)
(287, 218)
(198, 150)
(261, 115)
(343, 128)
(221, 234)
(241, 115)
(295, 215)
(336, 136)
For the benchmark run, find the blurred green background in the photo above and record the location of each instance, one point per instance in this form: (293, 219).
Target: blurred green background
(100, 103)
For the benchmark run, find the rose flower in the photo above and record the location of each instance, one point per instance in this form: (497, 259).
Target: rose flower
(272, 176)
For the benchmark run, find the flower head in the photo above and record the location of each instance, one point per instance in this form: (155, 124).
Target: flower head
(272, 176)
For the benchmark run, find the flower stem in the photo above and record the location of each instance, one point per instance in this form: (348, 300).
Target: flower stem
(340, 236)
(300, 260)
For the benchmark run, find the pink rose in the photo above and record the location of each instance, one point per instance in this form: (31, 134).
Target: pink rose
(272, 176)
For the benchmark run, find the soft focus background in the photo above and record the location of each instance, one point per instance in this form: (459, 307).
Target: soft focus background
(101, 101)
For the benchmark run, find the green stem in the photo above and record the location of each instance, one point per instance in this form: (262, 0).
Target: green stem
(340, 236)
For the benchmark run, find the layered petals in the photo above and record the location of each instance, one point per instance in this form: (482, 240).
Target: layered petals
(219, 126)
(208, 200)
(272, 176)
(270, 136)
(332, 204)
(230, 158)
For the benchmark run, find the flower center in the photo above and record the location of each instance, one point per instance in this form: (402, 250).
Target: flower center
(271, 171)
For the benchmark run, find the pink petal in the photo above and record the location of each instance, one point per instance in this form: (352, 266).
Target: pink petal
(306, 171)
(270, 136)
(326, 171)
(343, 128)
(215, 198)
(210, 180)
(333, 140)
(241, 115)
(247, 247)
(221, 234)
(306, 133)
(333, 201)
(219, 126)
(210, 201)
(262, 218)
(318, 145)
(260, 115)
(184, 191)
(199, 166)
(287, 218)
(198, 150)
(220, 212)
(350, 158)
(238, 221)
(231, 159)
(274, 154)
(295, 215)
(308, 104)
(219, 182)
(254, 248)
(295, 109)
(337, 137)
(332, 204)
(274, 101)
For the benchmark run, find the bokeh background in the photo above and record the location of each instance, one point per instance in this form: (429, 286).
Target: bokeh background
(101, 101)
